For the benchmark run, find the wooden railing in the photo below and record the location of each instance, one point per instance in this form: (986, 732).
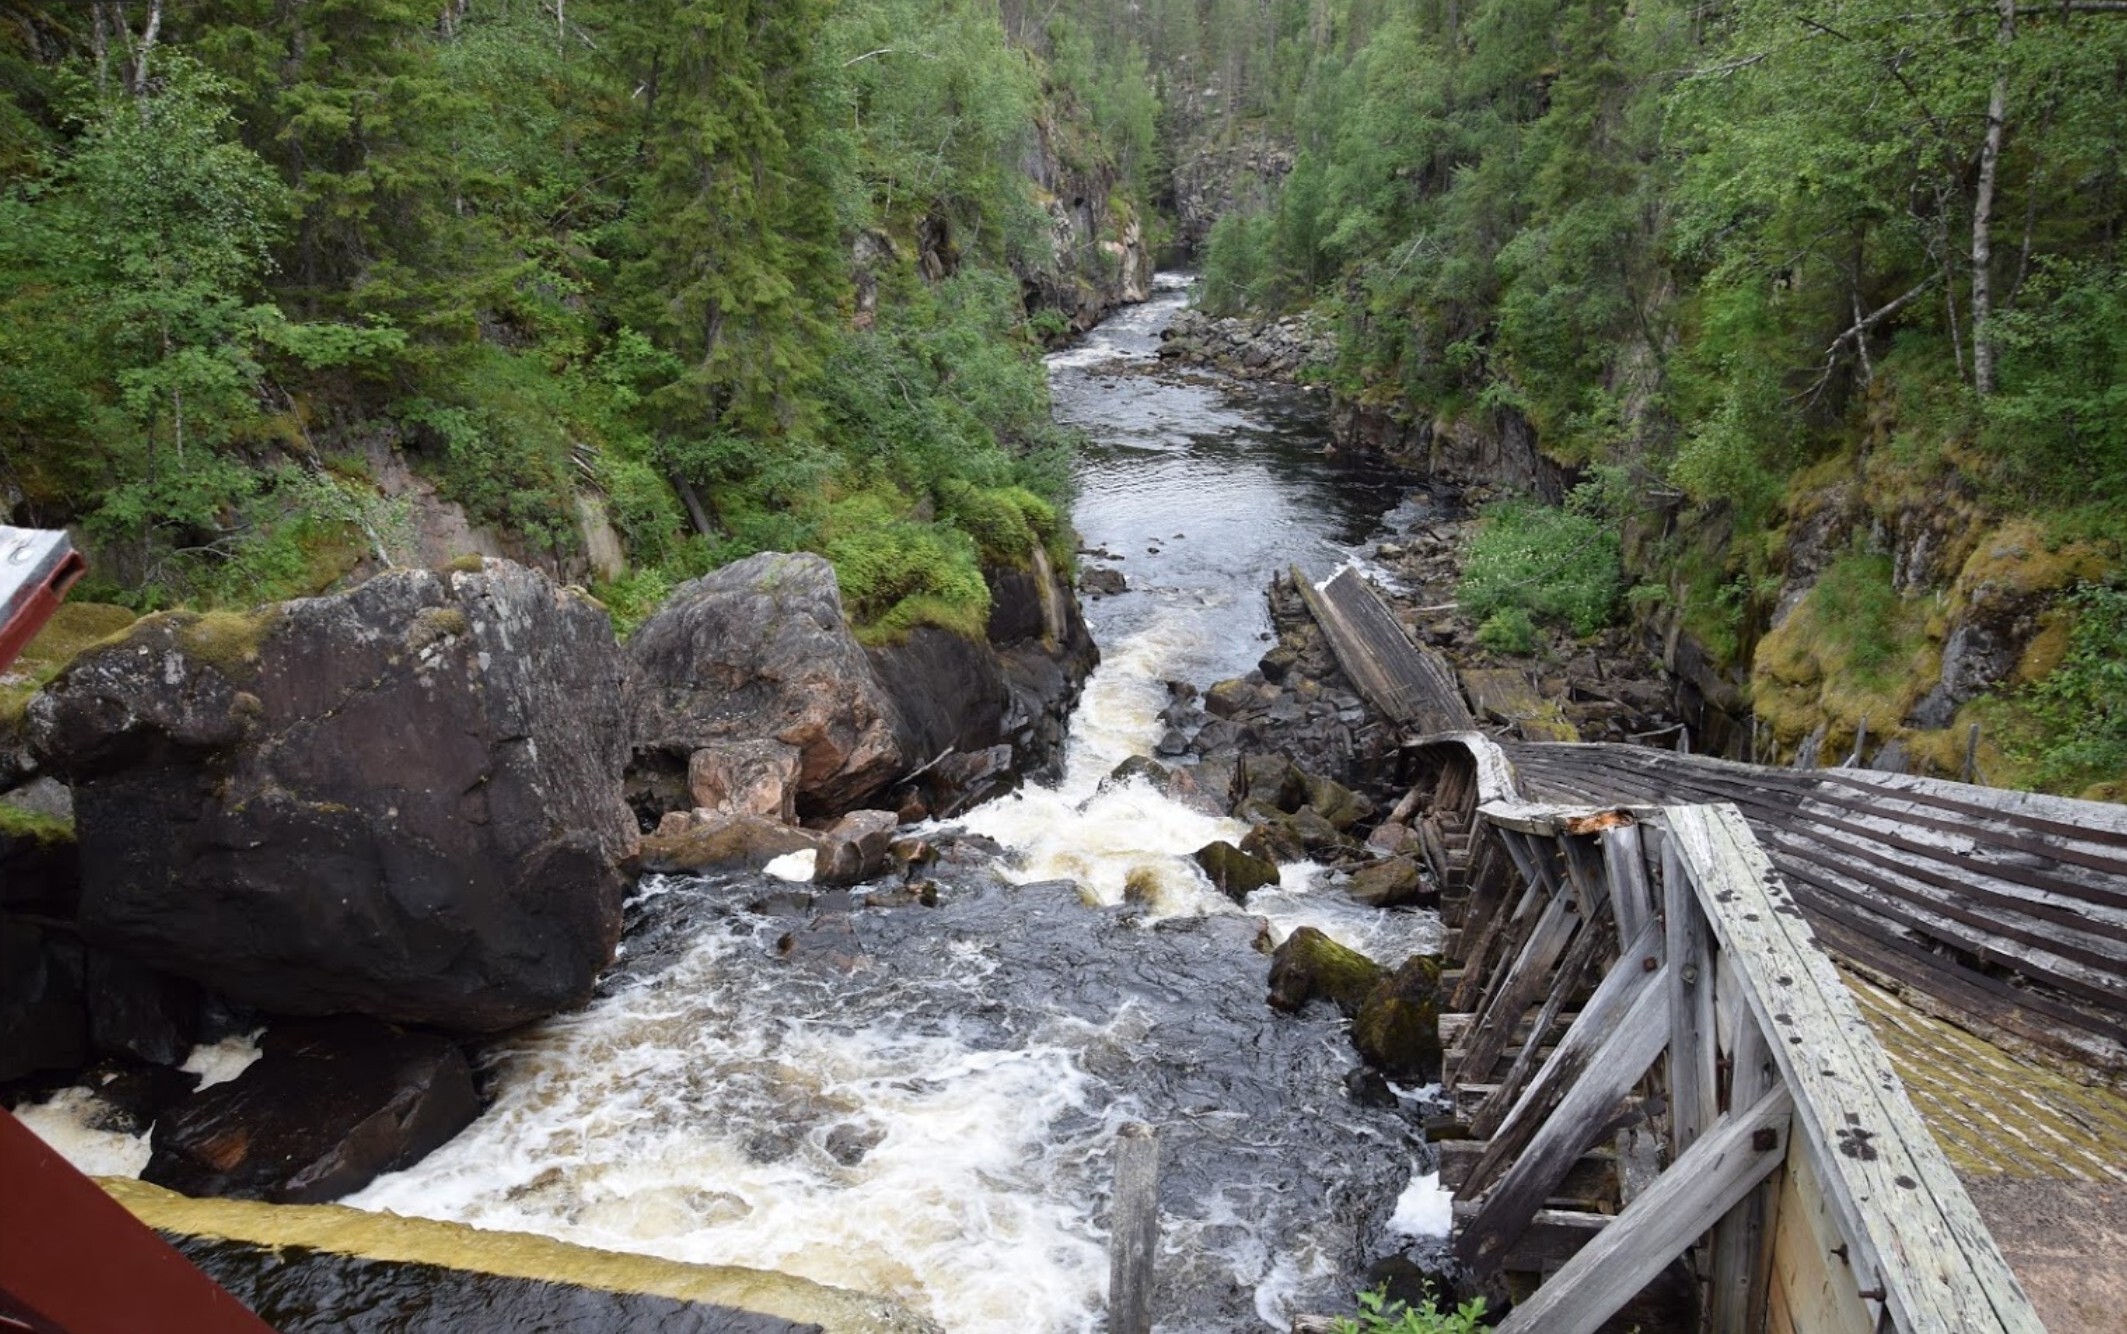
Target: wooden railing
(1638, 984)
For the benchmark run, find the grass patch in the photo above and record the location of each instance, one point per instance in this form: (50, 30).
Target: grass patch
(1851, 649)
(2077, 743)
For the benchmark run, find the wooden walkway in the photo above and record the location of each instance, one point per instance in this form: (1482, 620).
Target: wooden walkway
(1413, 687)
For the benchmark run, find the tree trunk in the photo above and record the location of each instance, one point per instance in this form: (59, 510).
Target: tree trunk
(1983, 210)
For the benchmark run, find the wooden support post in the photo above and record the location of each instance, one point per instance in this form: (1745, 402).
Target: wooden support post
(1861, 738)
(1133, 1229)
(1626, 875)
(1736, 1154)
(1742, 1241)
(1582, 1117)
(1971, 769)
(1693, 1061)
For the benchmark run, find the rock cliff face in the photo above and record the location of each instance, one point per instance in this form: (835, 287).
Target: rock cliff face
(1098, 258)
(401, 801)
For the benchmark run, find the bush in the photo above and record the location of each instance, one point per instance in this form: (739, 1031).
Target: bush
(1379, 1315)
(2081, 705)
(1550, 564)
(1508, 631)
(898, 573)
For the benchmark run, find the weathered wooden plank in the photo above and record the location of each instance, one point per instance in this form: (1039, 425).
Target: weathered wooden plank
(1742, 1254)
(1583, 961)
(1893, 1193)
(1693, 1090)
(1580, 1118)
(1520, 986)
(1626, 875)
(1699, 1187)
(1134, 1229)
(1413, 686)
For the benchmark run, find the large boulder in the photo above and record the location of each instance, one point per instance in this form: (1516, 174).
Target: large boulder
(759, 650)
(403, 800)
(328, 1107)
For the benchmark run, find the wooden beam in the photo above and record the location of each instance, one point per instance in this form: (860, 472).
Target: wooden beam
(1580, 1118)
(1518, 986)
(1584, 960)
(1742, 1254)
(1693, 1093)
(1736, 1154)
(1626, 875)
(1637, 970)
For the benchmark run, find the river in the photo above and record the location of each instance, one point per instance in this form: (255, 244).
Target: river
(919, 1101)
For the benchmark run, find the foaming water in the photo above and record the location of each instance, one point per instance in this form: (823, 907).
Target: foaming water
(841, 1143)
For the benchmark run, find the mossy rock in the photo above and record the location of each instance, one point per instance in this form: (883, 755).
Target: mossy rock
(1397, 1028)
(1272, 781)
(1236, 873)
(1310, 966)
(1387, 883)
(1335, 802)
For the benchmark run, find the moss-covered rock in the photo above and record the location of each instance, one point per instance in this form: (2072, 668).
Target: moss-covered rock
(1388, 883)
(1236, 873)
(1335, 802)
(1310, 966)
(1397, 1028)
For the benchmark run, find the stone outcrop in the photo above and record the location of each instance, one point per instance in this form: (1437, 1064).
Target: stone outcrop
(1098, 258)
(757, 655)
(328, 1107)
(759, 650)
(401, 801)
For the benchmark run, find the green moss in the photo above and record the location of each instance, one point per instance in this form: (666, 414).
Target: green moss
(469, 563)
(1398, 1027)
(18, 823)
(73, 629)
(1852, 649)
(1311, 966)
(225, 640)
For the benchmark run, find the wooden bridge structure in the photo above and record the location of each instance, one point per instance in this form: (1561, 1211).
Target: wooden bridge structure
(1662, 1071)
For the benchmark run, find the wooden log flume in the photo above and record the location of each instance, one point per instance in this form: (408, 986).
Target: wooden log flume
(1646, 1017)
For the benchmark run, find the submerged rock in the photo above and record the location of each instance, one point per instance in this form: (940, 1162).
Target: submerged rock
(403, 800)
(328, 1107)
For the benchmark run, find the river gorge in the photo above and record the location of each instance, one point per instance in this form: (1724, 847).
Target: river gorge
(919, 1101)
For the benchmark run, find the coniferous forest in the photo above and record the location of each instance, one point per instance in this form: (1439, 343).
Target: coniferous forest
(1817, 308)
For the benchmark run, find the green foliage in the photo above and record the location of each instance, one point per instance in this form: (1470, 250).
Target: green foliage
(897, 573)
(2080, 707)
(1508, 630)
(610, 251)
(1379, 1315)
(1533, 562)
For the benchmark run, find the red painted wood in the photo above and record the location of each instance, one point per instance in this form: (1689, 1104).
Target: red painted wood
(38, 607)
(73, 1261)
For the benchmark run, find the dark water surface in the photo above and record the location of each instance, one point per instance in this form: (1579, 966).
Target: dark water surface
(1227, 482)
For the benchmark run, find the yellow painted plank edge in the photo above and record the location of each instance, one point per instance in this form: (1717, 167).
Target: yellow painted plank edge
(391, 1238)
